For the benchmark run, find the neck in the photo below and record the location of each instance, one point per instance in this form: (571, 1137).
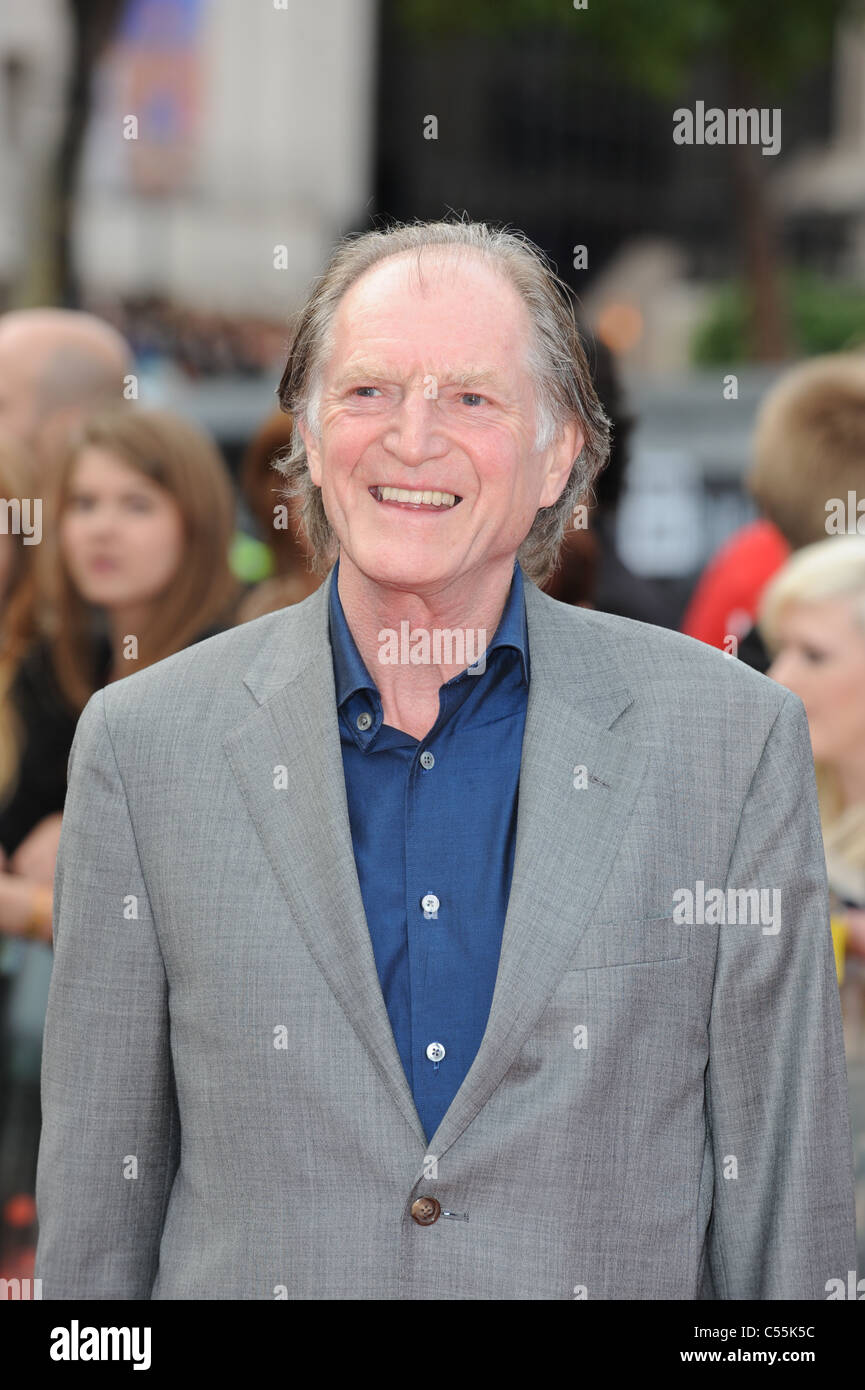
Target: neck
(471, 605)
(123, 623)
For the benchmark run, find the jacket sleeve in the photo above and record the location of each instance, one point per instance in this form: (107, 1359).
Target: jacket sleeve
(109, 1147)
(782, 1221)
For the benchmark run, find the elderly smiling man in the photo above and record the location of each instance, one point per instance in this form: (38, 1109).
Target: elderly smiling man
(372, 978)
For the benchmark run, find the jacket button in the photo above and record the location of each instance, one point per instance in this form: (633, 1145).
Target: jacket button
(425, 1210)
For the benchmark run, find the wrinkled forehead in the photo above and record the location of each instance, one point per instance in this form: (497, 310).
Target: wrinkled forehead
(438, 296)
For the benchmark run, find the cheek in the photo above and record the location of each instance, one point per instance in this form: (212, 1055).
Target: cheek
(351, 459)
(154, 544)
(498, 462)
(836, 712)
(69, 537)
(345, 439)
(508, 459)
(846, 705)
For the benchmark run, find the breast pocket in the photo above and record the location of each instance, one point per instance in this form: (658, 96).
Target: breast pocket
(635, 941)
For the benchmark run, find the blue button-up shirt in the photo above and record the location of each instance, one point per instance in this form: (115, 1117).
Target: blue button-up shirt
(433, 824)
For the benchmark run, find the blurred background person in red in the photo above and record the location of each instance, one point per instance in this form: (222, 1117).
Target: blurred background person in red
(809, 446)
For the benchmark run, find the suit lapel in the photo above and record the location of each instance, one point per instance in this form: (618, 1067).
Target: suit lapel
(305, 828)
(566, 839)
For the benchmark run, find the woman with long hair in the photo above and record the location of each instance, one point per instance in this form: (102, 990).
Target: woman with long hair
(18, 634)
(135, 568)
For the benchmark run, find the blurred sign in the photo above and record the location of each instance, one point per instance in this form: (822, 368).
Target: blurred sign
(659, 522)
(148, 97)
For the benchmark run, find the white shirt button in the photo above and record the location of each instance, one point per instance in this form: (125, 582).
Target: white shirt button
(435, 1051)
(427, 760)
(364, 721)
(430, 903)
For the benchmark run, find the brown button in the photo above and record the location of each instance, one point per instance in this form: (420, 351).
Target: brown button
(425, 1210)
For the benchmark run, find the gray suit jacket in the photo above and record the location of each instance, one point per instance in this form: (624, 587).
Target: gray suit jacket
(657, 1110)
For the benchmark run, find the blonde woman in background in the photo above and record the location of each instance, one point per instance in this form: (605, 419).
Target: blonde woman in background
(812, 619)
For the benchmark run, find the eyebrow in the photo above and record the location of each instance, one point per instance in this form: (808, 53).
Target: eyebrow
(375, 371)
(132, 490)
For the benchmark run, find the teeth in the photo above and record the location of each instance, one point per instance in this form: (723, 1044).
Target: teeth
(427, 499)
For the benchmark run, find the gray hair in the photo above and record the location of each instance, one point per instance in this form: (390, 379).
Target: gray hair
(556, 360)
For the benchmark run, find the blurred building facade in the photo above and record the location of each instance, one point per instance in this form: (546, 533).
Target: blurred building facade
(267, 129)
(254, 131)
(35, 41)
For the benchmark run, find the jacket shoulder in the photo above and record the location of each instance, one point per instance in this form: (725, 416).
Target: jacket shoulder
(659, 664)
(194, 677)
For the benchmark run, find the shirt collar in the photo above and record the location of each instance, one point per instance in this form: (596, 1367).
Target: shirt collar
(349, 668)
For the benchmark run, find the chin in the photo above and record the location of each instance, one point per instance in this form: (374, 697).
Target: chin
(102, 596)
(385, 565)
(823, 752)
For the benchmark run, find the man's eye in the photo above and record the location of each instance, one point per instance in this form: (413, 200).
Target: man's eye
(471, 397)
(360, 390)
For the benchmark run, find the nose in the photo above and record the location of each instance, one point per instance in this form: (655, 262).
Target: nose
(414, 432)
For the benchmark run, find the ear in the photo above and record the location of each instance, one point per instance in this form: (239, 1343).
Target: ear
(313, 451)
(559, 462)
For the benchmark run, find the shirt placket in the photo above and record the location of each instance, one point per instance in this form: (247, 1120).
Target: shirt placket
(429, 903)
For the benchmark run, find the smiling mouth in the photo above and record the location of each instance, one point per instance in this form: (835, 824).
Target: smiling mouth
(434, 501)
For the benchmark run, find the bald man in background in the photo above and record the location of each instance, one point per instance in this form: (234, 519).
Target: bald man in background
(56, 367)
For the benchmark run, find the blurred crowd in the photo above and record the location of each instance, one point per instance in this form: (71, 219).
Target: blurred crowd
(198, 343)
(120, 544)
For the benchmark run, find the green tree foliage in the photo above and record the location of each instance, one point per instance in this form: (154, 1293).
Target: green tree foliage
(654, 46)
(825, 317)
